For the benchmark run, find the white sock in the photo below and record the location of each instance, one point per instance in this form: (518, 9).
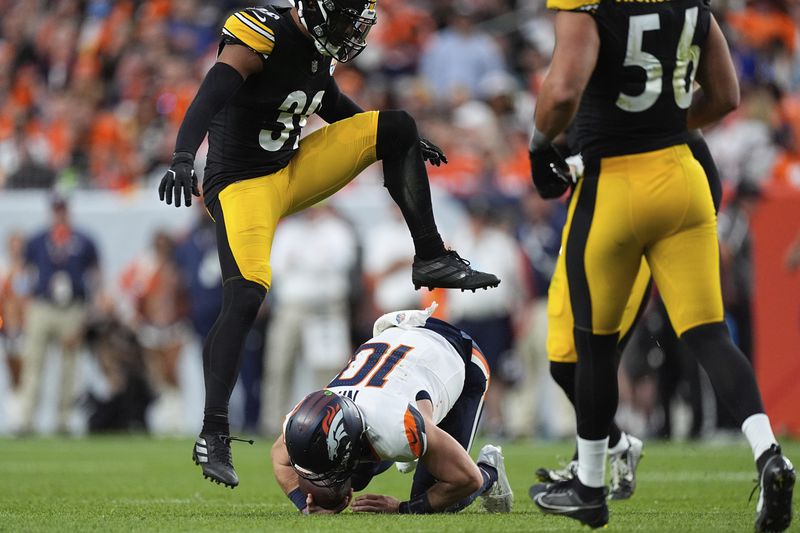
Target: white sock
(621, 446)
(592, 462)
(759, 433)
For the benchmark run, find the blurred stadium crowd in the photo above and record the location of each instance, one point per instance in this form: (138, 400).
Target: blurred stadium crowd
(92, 93)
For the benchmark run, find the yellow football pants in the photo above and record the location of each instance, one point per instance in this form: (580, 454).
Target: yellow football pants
(327, 160)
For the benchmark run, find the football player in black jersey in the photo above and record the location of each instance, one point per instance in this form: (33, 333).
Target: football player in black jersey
(274, 69)
(627, 69)
(624, 450)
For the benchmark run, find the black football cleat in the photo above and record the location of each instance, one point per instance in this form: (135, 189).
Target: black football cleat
(212, 452)
(776, 481)
(450, 271)
(563, 499)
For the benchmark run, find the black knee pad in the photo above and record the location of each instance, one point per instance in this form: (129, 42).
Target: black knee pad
(242, 298)
(397, 133)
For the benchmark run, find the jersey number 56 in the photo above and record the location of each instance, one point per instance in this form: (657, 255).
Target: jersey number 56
(682, 79)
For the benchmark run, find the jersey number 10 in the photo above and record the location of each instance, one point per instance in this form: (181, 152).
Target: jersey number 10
(364, 362)
(682, 79)
(292, 118)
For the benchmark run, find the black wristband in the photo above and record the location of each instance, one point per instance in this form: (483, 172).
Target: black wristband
(183, 157)
(417, 505)
(298, 498)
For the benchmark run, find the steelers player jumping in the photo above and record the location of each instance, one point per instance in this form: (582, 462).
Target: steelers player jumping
(274, 69)
(628, 69)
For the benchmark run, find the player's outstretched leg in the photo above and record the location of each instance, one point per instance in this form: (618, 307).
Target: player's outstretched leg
(407, 181)
(499, 498)
(734, 381)
(241, 300)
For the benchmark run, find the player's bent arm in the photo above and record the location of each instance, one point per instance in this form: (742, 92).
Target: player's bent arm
(719, 94)
(457, 474)
(285, 475)
(234, 64)
(574, 59)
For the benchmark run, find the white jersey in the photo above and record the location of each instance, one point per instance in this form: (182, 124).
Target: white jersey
(387, 376)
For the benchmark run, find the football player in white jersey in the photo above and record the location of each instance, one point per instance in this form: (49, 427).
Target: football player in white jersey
(414, 392)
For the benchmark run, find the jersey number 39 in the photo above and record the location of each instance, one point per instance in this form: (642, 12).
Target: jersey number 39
(682, 79)
(292, 118)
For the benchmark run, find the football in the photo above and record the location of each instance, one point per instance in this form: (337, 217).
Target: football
(332, 498)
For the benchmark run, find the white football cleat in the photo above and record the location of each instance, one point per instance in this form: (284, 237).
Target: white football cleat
(499, 498)
(623, 470)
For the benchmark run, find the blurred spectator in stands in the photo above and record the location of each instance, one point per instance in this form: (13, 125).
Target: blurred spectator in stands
(388, 253)
(459, 56)
(24, 161)
(489, 315)
(743, 145)
(539, 235)
(154, 284)
(312, 257)
(196, 256)
(120, 357)
(64, 266)
(14, 294)
(736, 262)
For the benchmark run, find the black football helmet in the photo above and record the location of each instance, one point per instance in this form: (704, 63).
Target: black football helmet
(324, 437)
(339, 27)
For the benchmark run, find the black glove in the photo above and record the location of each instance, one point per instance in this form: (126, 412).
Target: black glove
(180, 178)
(550, 173)
(432, 153)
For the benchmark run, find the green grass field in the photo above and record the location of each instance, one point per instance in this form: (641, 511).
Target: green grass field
(139, 484)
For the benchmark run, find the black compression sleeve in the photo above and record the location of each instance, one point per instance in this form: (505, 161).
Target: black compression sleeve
(218, 86)
(337, 105)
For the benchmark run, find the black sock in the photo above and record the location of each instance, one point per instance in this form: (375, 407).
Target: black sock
(407, 180)
(489, 474)
(222, 351)
(596, 383)
(588, 493)
(614, 435)
(728, 369)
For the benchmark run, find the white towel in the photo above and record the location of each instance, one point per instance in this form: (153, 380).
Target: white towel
(412, 318)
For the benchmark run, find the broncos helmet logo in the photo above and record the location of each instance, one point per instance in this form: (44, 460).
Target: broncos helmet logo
(336, 436)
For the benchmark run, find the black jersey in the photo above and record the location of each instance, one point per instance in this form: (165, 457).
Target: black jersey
(258, 130)
(640, 90)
